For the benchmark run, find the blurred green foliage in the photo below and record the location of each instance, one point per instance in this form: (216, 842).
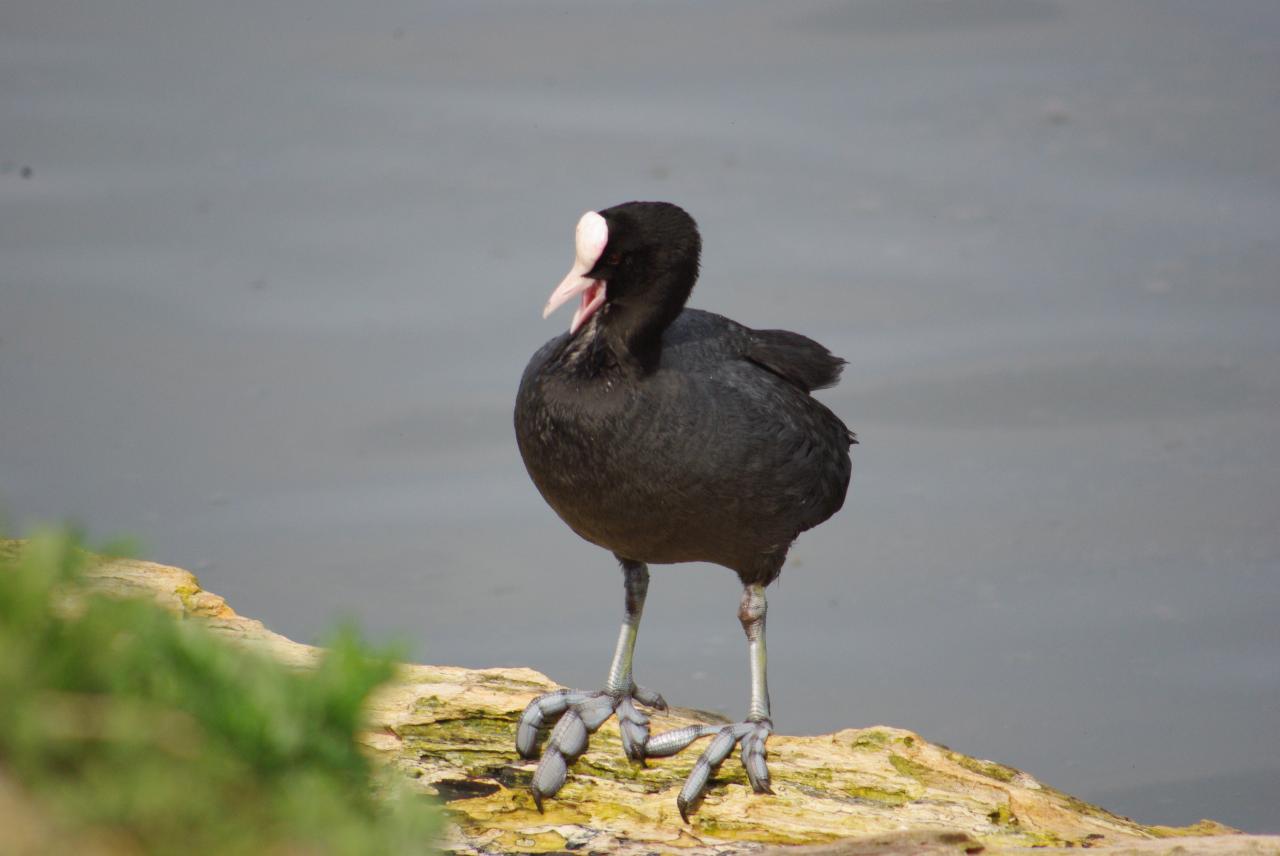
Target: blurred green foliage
(128, 729)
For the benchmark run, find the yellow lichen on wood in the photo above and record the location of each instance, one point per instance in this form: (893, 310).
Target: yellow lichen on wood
(451, 730)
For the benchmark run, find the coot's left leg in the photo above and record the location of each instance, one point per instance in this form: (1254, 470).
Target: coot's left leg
(751, 734)
(581, 713)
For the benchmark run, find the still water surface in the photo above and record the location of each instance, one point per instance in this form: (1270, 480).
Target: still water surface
(275, 269)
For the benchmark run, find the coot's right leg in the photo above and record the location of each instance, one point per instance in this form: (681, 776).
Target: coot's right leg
(581, 713)
(750, 734)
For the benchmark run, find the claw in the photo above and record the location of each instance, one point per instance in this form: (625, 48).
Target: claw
(634, 726)
(649, 698)
(549, 777)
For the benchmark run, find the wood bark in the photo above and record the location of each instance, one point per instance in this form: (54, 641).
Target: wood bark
(857, 791)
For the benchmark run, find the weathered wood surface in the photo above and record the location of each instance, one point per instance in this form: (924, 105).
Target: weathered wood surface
(857, 791)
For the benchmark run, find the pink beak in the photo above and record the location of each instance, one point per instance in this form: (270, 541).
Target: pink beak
(590, 239)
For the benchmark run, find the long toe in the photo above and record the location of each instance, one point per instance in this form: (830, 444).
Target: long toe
(541, 713)
(708, 762)
(576, 715)
(549, 777)
(751, 736)
(754, 757)
(569, 737)
(634, 726)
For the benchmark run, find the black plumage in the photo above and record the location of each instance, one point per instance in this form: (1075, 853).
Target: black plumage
(666, 434)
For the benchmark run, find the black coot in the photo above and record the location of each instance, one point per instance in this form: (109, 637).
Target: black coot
(664, 435)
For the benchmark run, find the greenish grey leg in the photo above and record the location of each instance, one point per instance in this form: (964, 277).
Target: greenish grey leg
(577, 715)
(636, 587)
(751, 613)
(750, 734)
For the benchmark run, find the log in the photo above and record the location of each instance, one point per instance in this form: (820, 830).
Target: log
(868, 790)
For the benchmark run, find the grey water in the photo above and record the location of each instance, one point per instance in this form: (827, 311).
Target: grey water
(270, 271)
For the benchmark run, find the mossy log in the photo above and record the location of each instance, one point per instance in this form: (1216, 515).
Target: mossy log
(857, 791)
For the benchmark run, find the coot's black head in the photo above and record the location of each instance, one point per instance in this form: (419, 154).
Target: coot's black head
(635, 265)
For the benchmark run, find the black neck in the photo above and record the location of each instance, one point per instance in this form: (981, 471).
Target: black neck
(632, 325)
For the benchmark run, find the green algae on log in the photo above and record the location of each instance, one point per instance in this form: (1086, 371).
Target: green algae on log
(860, 790)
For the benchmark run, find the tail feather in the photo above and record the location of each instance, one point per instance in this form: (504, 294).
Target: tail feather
(795, 358)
